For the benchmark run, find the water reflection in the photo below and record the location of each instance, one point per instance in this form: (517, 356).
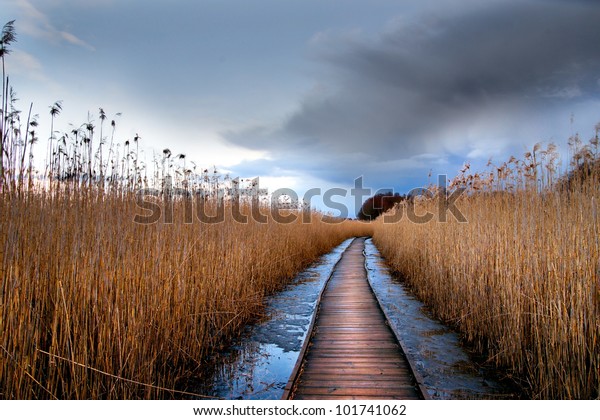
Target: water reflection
(259, 364)
(446, 368)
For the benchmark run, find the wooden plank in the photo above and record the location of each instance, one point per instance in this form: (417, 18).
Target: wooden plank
(348, 320)
(357, 367)
(339, 397)
(315, 357)
(349, 329)
(350, 383)
(341, 337)
(348, 354)
(359, 371)
(356, 361)
(407, 392)
(349, 345)
(322, 377)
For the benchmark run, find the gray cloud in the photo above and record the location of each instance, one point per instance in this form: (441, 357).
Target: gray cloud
(429, 84)
(38, 24)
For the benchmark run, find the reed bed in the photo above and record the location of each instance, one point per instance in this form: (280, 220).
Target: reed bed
(521, 278)
(94, 305)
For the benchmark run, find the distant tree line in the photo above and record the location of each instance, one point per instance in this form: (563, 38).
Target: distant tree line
(379, 204)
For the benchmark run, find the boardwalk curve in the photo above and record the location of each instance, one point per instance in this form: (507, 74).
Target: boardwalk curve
(351, 352)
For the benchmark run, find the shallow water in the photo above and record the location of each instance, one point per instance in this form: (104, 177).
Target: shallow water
(436, 351)
(259, 364)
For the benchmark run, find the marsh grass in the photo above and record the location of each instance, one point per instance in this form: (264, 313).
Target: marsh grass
(94, 305)
(521, 278)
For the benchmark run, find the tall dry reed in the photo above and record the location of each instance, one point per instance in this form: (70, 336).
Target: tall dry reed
(521, 278)
(94, 305)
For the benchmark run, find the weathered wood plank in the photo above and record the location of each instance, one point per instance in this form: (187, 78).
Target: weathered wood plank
(358, 362)
(407, 392)
(354, 370)
(322, 377)
(347, 357)
(339, 397)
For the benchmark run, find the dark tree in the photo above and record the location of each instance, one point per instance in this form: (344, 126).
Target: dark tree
(374, 206)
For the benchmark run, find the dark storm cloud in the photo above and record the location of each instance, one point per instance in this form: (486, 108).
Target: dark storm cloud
(421, 85)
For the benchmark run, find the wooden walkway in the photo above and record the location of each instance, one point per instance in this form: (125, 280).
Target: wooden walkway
(351, 352)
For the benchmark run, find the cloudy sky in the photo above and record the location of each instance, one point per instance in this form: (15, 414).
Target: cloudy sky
(315, 93)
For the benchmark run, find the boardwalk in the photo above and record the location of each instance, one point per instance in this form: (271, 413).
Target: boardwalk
(351, 353)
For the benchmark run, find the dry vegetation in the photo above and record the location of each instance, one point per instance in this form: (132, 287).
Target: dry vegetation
(521, 278)
(94, 305)
(85, 289)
